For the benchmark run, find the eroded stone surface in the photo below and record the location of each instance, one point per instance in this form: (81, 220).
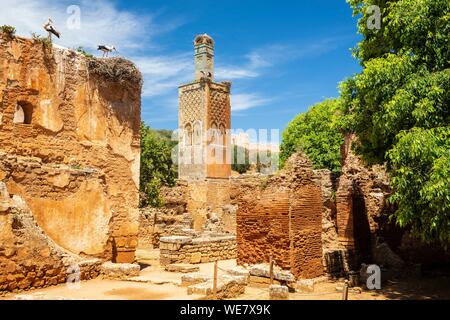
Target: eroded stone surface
(176, 249)
(277, 292)
(182, 268)
(227, 287)
(71, 166)
(119, 271)
(263, 270)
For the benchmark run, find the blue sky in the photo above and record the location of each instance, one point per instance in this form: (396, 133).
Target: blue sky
(282, 56)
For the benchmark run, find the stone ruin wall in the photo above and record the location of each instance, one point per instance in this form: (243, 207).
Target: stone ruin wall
(169, 220)
(208, 201)
(282, 217)
(302, 217)
(306, 193)
(183, 249)
(74, 170)
(190, 209)
(364, 230)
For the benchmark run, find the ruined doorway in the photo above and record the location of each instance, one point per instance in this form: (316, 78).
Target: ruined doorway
(361, 230)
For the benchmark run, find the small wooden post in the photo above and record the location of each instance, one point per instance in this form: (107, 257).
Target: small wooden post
(216, 265)
(271, 270)
(345, 291)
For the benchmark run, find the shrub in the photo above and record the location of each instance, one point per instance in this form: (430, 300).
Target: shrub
(9, 31)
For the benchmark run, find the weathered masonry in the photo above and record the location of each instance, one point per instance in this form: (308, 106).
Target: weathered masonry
(282, 219)
(69, 161)
(183, 249)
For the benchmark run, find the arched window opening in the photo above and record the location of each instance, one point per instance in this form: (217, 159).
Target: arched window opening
(197, 133)
(223, 142)
(188, 135)
(223, 135)
(214, 134)
(23, 113)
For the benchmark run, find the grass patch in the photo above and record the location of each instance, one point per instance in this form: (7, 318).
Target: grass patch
(84, 52)
(46, 42)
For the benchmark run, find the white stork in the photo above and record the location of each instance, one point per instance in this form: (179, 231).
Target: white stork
(51, 29)
(106, 49)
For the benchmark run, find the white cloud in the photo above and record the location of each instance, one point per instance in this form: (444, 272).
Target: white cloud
(101, 23)
(260, 59)
(163, 74)
(244, 101)
(233, 73)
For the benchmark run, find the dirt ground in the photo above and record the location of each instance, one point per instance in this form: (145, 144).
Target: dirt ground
(154, 283)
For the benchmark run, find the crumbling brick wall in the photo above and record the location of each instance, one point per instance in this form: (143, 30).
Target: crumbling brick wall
(263, 225)
(281, 217)
(75, 159)
(363, 224)
(360, 202)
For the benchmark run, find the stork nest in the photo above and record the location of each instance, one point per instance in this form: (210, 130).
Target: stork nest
(116, 70)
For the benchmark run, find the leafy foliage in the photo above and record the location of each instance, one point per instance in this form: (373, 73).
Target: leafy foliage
(241, 159)
(421, 165)
(10, 31)
(157, 168)
(399, 107)
(317, 134)
(84, 52)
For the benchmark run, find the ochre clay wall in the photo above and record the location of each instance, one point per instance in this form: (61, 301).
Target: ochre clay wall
(29, 259)
(76, 166)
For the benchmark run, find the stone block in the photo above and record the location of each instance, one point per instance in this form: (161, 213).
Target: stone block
(196, 258)
(182, 268)
(227, 287)
(261, 282)
(263, 270)
(125, 256)
(277, 292)
(193, 279)
(176, 239)
(238, 271)
(119, 271)
(305, 286)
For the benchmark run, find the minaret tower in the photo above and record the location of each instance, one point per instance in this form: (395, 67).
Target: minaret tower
(204, 57)
(204, 120)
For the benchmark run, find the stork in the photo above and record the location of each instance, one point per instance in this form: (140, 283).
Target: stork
(51, 29)
(206, 75)
(106, 49)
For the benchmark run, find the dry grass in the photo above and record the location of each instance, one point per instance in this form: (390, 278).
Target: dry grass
(46, 42)
(116, 70)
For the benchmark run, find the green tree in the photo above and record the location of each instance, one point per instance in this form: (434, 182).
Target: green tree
(317, 134)
(399, 107)
(241, 161)
(157, 167)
